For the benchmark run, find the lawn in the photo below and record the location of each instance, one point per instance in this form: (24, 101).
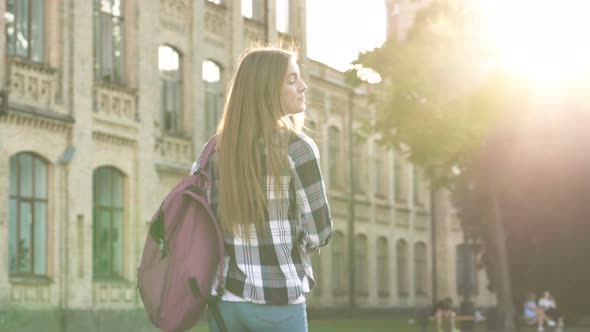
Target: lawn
(349, 325)
(368, 325)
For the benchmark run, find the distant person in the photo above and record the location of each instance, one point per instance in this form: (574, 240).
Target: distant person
(548, 304)
(533, 313)
(444, 310)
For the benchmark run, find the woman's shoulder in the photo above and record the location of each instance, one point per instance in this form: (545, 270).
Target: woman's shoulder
(301, 144)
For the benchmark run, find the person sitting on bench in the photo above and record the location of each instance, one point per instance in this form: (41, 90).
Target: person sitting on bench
(533, 313)
(444, 310)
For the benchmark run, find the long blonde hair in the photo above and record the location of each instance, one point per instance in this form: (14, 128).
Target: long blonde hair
(253, 119)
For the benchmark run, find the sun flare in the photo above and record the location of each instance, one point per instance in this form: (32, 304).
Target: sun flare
(544, 40)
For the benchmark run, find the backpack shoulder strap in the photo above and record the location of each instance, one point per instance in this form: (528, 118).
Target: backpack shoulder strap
(207, 152)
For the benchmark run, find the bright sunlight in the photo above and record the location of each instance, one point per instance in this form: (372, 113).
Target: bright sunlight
(544, 40)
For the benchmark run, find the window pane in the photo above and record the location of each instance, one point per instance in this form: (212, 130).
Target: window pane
(178, 104)
(117, 9)
(24, 242)
(211, 72)
(168, 59)
(101, 242)
(105, 46)
(117, 190)
(105, 6)
(37, 30)
(361, 266)
(402, 268)
(12, 238)
(118, 49)
(400, 187)
(257, 9)
(13, 175)
(9, 18)
(247, 8)
(40, 230)
(40, 179)
(282, 15)
(334, 149)
(22, 28)
(26, 174)
(117, 245)
(102, 187)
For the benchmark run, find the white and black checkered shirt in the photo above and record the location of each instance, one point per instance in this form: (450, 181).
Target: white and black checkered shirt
(272, 266)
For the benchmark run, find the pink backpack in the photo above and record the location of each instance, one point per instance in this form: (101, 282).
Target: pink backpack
(182, 253)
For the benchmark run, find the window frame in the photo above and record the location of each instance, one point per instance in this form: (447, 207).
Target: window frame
(111, 274)
(213, 91)
(172, 82)
(286, 14)
(114, 74)
(29, 28)
(403, 275)
(420, 269)
(339, 264)
(257, 10)
(361, 265)
(32, 201)
(383, 286)
(334, 156)
(399, 187)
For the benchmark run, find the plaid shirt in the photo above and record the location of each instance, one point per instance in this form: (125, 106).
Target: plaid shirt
(272, 266)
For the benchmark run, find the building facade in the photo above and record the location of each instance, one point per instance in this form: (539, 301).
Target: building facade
(108, 102)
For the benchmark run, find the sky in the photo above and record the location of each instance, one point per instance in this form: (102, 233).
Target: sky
(337, 30)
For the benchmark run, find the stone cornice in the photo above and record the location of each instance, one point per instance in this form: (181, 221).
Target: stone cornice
(113, 139)
(28, 116)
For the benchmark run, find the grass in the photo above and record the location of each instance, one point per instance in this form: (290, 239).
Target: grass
(368, 325)
(348, 325)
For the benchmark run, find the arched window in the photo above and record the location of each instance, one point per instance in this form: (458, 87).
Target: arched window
(213, 95)
(109, 40)
(382, 267)
(27, 215)
(418, 187)
(108, 197)
(339, 270)
(334, 157)
(361, 268)
(403, 273)
(360, 179)
(170, 67)
(399, 173)
(381, 179)
(467, 283)
(25, 29)
(421, 267)
(253, 9)
(282, 20)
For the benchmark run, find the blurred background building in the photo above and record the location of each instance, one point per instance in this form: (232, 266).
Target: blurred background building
(106, 104)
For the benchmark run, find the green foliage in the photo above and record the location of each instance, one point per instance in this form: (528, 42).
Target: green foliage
(436, 96)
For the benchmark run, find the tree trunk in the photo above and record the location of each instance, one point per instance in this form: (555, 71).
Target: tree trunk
(504, 284)
(441, 283)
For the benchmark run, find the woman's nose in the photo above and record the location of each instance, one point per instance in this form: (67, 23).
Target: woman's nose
(303, 87)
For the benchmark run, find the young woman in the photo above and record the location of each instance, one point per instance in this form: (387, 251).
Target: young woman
(269, 196)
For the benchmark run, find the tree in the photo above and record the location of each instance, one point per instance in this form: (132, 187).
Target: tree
(480, 134)
(437, 99)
